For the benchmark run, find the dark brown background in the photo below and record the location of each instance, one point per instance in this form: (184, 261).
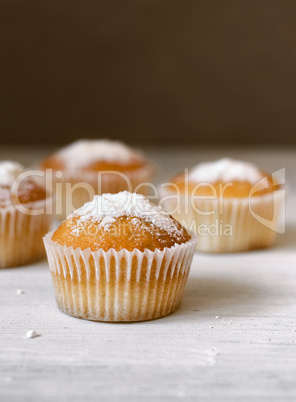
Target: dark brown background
(148, 71)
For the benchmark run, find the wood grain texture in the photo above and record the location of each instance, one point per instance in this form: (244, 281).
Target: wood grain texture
(248, 353)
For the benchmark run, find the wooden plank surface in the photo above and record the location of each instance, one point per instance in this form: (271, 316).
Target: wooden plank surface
(234, 337)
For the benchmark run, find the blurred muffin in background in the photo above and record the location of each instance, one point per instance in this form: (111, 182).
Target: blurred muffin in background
(23, 218)
(231, 205)
(89, 167)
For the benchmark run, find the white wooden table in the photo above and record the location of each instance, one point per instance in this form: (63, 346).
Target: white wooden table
(234, 337)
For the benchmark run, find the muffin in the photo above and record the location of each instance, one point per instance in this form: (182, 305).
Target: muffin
(231, 205)
(23, 218)
(119, 258)
(90, 167)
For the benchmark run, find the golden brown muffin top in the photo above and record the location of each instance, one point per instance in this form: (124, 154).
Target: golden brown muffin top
(94, 156)
(224, 178)
(120, 221)
(27, 191)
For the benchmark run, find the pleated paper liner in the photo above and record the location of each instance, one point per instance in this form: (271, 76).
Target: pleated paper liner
(233, 226)
(21, 234)
(121, 285)
(109, 182)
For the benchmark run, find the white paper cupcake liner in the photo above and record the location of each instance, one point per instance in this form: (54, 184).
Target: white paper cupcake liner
(21, 234)
(68, 200)
(233, 227)
(119, 285)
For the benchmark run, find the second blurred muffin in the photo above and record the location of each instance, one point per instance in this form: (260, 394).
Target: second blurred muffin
(23, 216)
(90, 167)
(232, 205)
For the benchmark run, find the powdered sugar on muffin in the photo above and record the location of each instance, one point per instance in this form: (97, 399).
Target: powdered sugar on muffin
(106, 209)
(9, 171)
(225, 170)
(85, 152)
(27, 190)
